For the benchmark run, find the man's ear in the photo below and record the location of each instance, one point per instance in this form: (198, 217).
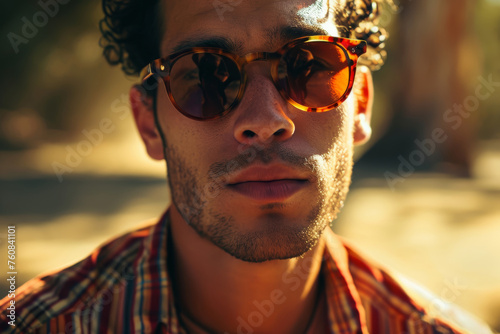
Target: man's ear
(363, 92)
(142, 108)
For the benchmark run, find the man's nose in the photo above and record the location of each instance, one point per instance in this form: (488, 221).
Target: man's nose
(262, 115)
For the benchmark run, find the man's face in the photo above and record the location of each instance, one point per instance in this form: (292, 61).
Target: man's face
(263, 181)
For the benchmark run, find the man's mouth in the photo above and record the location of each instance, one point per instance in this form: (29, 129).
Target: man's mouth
(267, 184)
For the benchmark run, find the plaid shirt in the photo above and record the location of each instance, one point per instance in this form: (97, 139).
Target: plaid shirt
(124, 287)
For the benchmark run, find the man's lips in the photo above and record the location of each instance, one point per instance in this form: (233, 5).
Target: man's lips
(268, 183)
(269, 191)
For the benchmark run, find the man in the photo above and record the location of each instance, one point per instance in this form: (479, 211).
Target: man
(257, 174)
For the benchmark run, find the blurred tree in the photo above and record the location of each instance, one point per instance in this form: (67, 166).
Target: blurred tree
(54, 79)
(435, 60)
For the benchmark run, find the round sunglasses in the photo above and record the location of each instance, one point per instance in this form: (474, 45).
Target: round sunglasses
(314, 74)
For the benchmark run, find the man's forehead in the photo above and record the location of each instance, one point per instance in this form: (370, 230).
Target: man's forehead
(249, 26)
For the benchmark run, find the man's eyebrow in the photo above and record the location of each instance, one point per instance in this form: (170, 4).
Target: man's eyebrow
(283, 34)
(211, 42)
(276, 36)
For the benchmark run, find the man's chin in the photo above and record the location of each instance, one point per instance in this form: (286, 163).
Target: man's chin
(269, 245)
(261, 258)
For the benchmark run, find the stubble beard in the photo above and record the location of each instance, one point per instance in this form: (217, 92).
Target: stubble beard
(277, 240)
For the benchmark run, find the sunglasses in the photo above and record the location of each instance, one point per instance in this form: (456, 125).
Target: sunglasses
(314, 74)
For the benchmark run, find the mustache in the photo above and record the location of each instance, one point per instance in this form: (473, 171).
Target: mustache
(266, 155)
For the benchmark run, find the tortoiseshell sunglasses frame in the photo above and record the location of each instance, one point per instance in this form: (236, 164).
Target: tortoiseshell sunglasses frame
(352, 48)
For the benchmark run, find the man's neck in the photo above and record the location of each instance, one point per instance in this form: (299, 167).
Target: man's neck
(226, 295)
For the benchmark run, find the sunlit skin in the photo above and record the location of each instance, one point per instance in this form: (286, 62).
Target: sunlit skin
(230, 249)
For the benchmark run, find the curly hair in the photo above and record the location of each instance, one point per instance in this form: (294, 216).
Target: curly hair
(360, 19)
(131, 31)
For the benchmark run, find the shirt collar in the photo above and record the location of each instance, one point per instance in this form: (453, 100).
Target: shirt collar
(345, 311)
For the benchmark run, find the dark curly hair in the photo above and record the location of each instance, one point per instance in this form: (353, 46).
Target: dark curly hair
(131, 31)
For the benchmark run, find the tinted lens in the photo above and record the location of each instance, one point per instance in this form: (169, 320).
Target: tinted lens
(315, 74)
(204, 85)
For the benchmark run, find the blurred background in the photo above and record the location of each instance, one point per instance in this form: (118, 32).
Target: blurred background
(425, 199)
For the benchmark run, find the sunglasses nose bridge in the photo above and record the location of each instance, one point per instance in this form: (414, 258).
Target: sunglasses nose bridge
(255, 56)
(273, 58)
(258, 56)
